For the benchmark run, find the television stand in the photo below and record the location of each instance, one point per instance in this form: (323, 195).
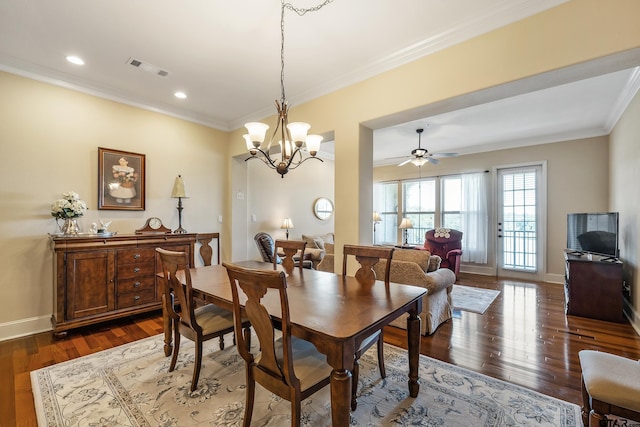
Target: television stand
(593, 287)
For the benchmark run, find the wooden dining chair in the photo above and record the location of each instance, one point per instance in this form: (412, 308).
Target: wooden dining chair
(290, 248)
(367, 256)
(287, 366)
(197, 324)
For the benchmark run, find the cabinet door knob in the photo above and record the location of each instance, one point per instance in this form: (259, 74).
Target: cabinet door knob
(136, 270)
(136, 285)
(136, 298)
(136, 256)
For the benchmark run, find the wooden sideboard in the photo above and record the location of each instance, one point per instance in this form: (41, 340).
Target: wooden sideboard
(104, 278)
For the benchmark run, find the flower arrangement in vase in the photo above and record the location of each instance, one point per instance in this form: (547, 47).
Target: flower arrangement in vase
(69, 208)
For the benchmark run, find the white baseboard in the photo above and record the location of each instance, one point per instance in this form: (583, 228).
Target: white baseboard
(24, 327)
(632, 315)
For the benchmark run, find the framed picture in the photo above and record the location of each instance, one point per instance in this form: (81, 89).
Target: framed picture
(121, 180)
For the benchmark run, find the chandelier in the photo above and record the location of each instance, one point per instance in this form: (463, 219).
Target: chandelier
(291, 137)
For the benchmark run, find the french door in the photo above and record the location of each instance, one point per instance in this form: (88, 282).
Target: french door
(521, 222)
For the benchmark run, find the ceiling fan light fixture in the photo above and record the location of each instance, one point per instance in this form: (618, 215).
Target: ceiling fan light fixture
(419, 161)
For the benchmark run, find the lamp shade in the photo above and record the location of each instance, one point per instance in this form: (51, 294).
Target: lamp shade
(406, 223)
(376, 217)
(287, 223)
(178, 188)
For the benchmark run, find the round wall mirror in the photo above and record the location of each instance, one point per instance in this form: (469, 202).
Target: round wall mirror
(323, 208)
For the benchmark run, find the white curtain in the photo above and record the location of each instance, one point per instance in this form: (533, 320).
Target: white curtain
(474, 217)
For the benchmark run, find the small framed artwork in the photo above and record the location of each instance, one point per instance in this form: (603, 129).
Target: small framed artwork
(121, 180)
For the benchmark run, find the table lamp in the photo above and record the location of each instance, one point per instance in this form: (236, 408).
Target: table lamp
(376, 220)
(179, 192)
(287, 224)
(404, 225)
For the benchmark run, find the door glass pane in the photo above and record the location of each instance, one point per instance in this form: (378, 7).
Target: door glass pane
(519, 215)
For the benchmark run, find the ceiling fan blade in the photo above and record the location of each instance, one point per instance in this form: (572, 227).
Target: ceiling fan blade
(405, 162)
(432, 160)
(445, 154)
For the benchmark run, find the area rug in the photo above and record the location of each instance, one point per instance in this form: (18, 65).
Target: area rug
(475, 300)
(130, 386)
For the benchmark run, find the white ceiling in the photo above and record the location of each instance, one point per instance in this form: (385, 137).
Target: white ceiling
(226, 57)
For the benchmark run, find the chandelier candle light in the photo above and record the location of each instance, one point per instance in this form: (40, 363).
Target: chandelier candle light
(179, 193)
(291, 137)
(404, 225)
(287, 224)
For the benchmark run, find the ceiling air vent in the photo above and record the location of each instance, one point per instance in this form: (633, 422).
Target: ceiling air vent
(150, 68)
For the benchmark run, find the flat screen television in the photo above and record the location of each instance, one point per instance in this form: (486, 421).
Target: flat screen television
(595, 233)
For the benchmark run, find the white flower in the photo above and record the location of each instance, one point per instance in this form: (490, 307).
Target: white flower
(70, 206)
(442, 232)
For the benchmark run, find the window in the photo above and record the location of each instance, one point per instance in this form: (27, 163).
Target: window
(419, 205)
(451, 202)
(385, 198)
(454, 201)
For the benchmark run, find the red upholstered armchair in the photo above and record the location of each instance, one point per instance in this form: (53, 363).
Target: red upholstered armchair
(447, 244)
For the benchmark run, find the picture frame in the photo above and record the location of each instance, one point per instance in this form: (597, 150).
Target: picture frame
(121, 180)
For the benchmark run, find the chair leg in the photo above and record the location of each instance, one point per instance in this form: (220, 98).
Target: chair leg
(222, 342)
(354, 383)
(296, 412)
(383, 372)
(247, 337)
(197, 365)
(251, 391)
(176, 347)
(597, 420)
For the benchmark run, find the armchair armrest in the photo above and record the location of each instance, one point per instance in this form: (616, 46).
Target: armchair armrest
(454, 253)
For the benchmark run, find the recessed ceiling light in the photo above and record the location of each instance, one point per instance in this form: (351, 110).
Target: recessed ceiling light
(180, 95)
(75, 60)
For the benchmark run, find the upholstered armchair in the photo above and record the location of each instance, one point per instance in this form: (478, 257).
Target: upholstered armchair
(447, 244)
(267, 246)
(420, 268)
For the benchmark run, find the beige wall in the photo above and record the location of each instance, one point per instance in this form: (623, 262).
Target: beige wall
(271, 199)
(49, 139)
(577, 181)
(625, 198)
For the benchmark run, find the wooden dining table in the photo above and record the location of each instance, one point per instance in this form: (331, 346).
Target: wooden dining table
(334, 312)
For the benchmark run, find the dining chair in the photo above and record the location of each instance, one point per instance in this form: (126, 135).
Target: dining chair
(367, 256)
(289, 367)
(198, 324)
(290, 248)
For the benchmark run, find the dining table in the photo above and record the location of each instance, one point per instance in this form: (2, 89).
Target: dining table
(334, 312)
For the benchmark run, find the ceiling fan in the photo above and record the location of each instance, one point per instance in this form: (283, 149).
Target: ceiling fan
(420, 156)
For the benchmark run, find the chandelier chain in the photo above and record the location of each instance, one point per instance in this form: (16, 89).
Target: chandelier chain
(300, 11)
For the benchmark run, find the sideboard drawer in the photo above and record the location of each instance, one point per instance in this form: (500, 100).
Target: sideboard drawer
(135, 256)
(132, 299)
(135, 270)
(136, 284)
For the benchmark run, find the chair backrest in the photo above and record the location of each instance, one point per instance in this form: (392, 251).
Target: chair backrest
(367, 256)
(172, 262)
(290, 248)
(275, 361)
(266, 246)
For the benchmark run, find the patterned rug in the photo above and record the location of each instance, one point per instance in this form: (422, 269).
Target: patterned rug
(475, 300)
(130, 386)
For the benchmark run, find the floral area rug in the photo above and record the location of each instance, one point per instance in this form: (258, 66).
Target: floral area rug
(130, 386)
(475, 300)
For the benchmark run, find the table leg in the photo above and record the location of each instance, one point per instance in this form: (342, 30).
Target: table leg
(413, 345)
(340, 397)
(167, 326)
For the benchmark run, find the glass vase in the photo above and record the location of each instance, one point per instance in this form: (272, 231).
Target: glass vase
(70, 227)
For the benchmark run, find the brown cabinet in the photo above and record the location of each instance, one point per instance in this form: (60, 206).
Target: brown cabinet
(593, 287)
(99, 279)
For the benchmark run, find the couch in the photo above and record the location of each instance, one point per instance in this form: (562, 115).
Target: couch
(316, 247)
(420, 268)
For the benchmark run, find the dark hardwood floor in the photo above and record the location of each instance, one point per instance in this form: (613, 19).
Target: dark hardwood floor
(524, 338)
